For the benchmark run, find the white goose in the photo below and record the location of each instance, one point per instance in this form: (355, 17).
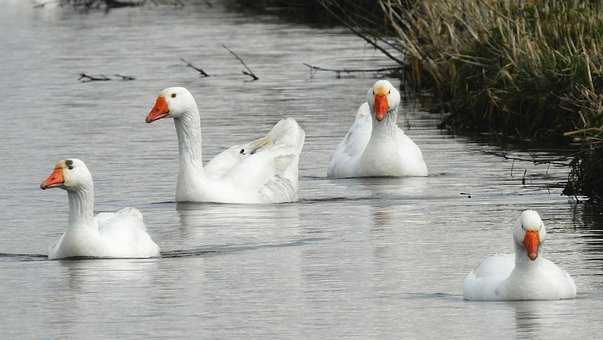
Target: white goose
(523, 276)
(109, 235)
(375, 145)
(261, 171)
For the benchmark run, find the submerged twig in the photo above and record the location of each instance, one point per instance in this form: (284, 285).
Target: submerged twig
(523, 179)
(110, 4)
(249, 72)
(557, 161)
(198, 69)
(338, 71)
(124, 77)
(84, 77)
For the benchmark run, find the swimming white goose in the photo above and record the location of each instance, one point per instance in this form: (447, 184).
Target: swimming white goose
(525, 275)
(114, 235)
(375, 145)
(262, 171)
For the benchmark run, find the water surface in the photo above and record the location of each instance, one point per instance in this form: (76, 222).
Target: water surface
(354, 258)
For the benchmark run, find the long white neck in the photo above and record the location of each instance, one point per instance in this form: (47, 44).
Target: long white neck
(81, 206)
(190, 173)
(387, 127)
(188, 128)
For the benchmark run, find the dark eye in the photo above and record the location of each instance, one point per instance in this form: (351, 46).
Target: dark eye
(390, 91)
(173, 95)
(69, 164)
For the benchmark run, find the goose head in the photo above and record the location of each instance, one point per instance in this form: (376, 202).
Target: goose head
(529, 233)
(69, 174)
(172, 102)
(383, 99)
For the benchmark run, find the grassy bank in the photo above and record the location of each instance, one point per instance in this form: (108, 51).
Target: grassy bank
(531, 70)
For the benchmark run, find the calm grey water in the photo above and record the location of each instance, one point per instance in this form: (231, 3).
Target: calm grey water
(371, 258)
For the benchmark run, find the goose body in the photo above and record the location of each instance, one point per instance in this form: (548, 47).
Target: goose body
(525, 275)
(262, 171)
(121, 234)
(375, 146)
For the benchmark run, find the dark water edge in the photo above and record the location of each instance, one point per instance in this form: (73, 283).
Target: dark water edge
(309, 12)
(585, 175)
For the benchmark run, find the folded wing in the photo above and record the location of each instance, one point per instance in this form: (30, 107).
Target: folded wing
(347, 155)
(267, 167)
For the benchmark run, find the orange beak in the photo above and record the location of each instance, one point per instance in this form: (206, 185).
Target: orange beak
(54, 180)
(381, 107)
(531, 241)
(159, 110)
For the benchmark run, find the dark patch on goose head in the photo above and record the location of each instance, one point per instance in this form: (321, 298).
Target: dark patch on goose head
(69, 164)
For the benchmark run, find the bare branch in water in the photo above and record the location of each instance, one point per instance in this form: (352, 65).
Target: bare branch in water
(561, 160)
(338, 71)
(198, 69)
(85, 78)
(523, 179)
(109, 4)
(249, 72)
(124, 77)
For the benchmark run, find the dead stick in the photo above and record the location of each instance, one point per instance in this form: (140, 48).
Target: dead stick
(123, 77)
(198, 69)
(249, 72)
(523, 180)
(557, 161)
(84, 78)
(351, 70)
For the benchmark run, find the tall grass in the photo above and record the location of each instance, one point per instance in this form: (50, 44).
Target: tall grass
(530, 69)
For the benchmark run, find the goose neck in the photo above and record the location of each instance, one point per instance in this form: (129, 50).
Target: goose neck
(81, 206)
(385, 128)
(188, 129)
